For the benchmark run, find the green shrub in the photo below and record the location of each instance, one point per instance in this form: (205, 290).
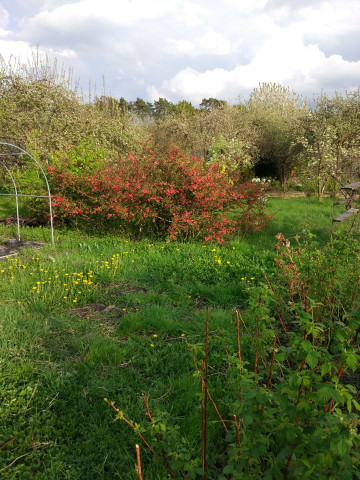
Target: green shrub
(289, 404)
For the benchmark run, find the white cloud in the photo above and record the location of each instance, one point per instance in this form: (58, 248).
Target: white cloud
(210, 43)
(330, 18)
(246, 6)
(215, 43)
(191, 48)
(182, 46)
(4, 17)
(10, 48)
(303, 68)
(70, 16)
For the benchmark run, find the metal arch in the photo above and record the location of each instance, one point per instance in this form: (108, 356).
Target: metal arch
(17, 195)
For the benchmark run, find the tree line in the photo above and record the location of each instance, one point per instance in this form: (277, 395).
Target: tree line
(274, 133)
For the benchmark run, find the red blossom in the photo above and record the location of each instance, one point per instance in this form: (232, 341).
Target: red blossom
(169, 195)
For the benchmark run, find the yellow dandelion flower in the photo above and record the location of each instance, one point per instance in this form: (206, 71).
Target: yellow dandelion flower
(152, 345)
(155, 335)
(219, 261)
(75, 300)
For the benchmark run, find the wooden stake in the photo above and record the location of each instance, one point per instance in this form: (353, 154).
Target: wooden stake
(238, 339)
(138, 459)
(205, 396)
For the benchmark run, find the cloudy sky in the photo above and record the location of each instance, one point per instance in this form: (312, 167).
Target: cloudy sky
(191, 49)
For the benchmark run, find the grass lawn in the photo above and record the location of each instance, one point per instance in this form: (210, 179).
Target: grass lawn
(101, 316)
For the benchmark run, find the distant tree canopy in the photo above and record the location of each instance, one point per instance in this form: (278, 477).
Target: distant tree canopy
(274, 133)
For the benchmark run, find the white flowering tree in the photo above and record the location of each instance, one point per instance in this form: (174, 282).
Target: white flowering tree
(277, 114)
(331, 142)
(233, 154)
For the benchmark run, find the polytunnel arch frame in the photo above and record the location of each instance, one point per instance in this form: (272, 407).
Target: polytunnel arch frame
(19, 151)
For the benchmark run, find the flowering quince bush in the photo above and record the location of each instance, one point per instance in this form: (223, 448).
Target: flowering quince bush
(168, 196)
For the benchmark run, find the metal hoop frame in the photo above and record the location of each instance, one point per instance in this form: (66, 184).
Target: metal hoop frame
(16, 152)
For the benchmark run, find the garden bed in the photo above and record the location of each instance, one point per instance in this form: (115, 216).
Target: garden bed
(13, 246)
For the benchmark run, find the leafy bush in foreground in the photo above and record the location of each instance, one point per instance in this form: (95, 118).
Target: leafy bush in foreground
(291, 406)
(166, 196)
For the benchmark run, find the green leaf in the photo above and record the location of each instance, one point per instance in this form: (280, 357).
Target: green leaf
(306, 345)
(282, 356)
(229, 469)
(340, 335)
(306, 380)
(325, 368)
(352, 361)
(339, 446)
(248, 419)
(324, 394)
(291, 434)
(312, 358)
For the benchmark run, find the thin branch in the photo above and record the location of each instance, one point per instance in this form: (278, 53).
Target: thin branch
(238, 339)
(7, 443)
(138, 460)
(272, 362)
(16, 459)
(205, 396)
(121, 415)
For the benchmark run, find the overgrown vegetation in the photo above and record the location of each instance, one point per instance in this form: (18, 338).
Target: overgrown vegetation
(164, 196)
(225, 360)
(314, 146)
(95, 317)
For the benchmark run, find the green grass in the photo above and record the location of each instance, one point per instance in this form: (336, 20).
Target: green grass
(101, 316)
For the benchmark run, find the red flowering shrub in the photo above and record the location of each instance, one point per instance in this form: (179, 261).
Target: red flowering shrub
(171, 196)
